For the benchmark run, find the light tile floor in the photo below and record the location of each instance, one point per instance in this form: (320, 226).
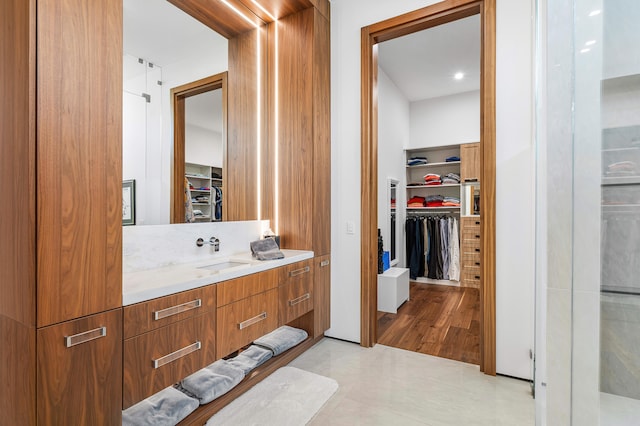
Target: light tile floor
(388, 386)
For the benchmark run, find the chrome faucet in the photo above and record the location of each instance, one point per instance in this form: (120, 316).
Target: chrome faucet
(213, 241)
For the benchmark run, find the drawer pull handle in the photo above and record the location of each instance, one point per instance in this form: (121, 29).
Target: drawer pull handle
(178, 309)
(299, 271)
(478, 250)
(477, 277)
(324, 263)
(251, 321)
(477, 236)
(477, 222)
(85, 337)
(157, 363)
(300, 299)
(477, 263)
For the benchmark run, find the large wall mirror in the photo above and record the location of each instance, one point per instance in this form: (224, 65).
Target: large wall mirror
(165, 48)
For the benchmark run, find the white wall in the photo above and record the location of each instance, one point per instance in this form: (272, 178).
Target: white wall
(446, 120)
(515, 171)
(202, 146)
(393, 136)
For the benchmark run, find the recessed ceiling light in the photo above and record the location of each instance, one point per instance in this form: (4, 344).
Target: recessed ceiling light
(458, 75)
(585, 50)
(595, 12)
(590, 43)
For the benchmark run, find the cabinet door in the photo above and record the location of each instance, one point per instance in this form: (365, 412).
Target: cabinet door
(322, 295)
(242, 322)
(79, 158)
(470, 162)
(321, 136)
(295, 299)
(80, 371)
(162, 357)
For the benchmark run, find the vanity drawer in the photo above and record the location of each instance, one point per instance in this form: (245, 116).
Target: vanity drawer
(295, 299)
(296, 272)
(162, 357)
(247, 286)
(146, 316)
(244, 321)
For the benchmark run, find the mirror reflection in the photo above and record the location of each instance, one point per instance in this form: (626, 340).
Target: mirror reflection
(164, 48)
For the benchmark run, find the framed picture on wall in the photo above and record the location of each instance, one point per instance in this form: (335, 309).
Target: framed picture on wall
(129, 202)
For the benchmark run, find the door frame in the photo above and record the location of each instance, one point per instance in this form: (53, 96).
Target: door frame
(427, 17)
(179, 95)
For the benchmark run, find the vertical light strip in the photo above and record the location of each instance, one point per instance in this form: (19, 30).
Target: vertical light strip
(276, 139)
(258, 126)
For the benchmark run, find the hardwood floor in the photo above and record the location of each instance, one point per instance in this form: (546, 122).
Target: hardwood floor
(437, 320)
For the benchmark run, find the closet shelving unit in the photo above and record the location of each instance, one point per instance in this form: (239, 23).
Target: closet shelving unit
(202, 181)
(436, 164)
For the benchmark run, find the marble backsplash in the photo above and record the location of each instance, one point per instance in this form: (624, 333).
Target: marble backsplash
(155, 246)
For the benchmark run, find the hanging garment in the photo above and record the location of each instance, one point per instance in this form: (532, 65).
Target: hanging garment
(444, 235)
(454, 250)
(425, 231)
(189, 215)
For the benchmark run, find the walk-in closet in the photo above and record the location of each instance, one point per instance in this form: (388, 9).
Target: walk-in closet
(429, 191)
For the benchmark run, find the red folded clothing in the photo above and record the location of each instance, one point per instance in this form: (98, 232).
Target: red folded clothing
(434, 204)
(416, 202)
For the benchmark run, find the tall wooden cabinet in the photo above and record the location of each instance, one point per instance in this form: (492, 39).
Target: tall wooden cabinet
(61, 173)
(304, 143)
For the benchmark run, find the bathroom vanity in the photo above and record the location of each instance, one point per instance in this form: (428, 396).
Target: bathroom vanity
(74, 347)
(225, 305)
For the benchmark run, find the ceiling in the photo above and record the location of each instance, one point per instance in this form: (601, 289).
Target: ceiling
(422, 64)
(161, 33)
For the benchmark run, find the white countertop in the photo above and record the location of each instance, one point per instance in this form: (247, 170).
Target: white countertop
(146, 285)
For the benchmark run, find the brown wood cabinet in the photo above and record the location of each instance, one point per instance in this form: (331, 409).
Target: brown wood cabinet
(64, 258)
(162, 357)
(322, 295)
(470, 244)
(79, 371)
(61, 162)
(156, 313)
(470, 162)
(241, 322)
(304, 131)
(295, 293)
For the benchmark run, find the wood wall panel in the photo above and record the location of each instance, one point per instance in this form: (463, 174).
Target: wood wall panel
(79, 162)
(82, 384)
(220, 18)
(295, 136)
(17, 160)
(321, 136)
(246, 92)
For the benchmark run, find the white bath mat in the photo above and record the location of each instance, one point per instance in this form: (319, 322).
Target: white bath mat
(289, 396)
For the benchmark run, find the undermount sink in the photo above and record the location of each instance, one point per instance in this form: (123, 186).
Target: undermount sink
(222, 265)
